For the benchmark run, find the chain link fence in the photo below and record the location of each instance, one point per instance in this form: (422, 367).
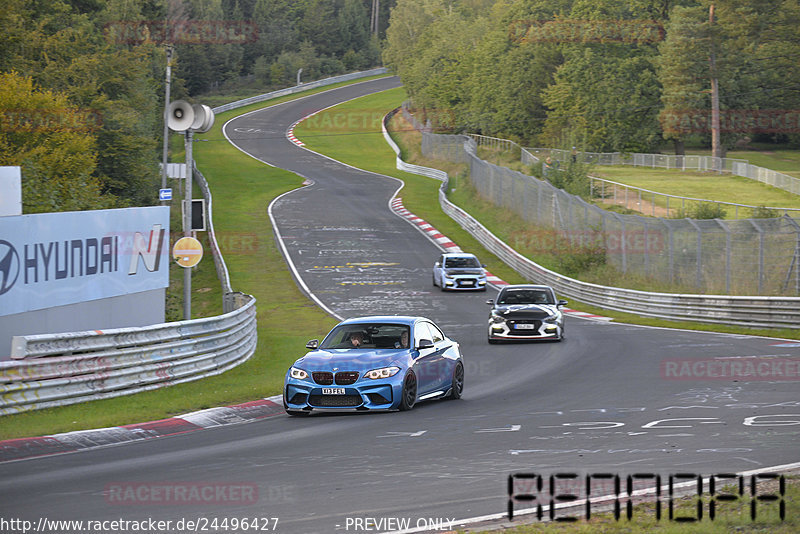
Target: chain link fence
(744, 257)
(738, 167)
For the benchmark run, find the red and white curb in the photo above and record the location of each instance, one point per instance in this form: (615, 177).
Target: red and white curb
(22, 448)
(447, 245)
(290, 133)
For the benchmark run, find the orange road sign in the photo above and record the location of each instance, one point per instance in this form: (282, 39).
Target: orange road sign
(187, 251)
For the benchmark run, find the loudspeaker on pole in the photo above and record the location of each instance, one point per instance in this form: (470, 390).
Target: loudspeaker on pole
(203, 118)
(181, 116)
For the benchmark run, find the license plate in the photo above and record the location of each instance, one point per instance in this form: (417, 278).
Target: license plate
(525, 326)
(333, 391)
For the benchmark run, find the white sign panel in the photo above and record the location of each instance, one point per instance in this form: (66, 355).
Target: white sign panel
(54, 259)
(10, 191)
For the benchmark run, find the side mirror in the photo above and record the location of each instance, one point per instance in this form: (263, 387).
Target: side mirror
(490, 302)
(562, 302)
(483, 265)
(425, 344)
(313, 344)
(437, 264)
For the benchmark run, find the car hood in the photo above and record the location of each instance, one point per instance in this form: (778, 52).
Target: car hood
(351, 359)
(526, 311)
(464, 271)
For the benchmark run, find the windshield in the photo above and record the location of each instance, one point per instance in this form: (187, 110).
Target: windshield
(367, 336)
(526, 296)
(461, 263)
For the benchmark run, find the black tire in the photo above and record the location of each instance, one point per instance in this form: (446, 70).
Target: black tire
(434, 281)
(457, 385)
(492, 341)
(408, 397)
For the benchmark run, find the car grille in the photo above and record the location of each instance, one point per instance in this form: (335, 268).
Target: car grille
(333, 401)
(526, 332)
(345, 378)
(323, 378)
(466, 283)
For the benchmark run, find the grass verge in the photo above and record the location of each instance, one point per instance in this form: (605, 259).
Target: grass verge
(242, 189)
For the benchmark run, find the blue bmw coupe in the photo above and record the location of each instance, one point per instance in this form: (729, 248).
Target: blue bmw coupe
(375, 363)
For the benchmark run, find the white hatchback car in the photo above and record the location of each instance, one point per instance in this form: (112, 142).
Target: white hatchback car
(459, 271)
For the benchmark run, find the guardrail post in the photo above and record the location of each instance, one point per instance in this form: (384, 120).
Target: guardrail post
(727, 255)
(699, 255)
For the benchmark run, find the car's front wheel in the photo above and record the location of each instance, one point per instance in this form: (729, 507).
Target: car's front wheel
(457, 386)
(408, 397)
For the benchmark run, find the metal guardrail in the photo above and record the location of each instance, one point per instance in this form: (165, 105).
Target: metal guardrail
(755, 311)
(63, 369)
(300, 88)
(219, 261)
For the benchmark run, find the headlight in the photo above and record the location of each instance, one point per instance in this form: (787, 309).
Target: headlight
(551, 319)
(386, 372)
(298, 374)
(497, 318)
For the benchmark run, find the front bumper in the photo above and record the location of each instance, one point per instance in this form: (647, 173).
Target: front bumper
(532, 329)
(365, 394)
(465, 283)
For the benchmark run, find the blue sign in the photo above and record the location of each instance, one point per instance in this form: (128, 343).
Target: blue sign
(165, 194)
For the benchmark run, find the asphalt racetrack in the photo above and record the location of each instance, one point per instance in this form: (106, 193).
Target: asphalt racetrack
(609, 399)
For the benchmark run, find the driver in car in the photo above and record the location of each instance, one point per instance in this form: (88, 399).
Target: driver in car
(356, 339)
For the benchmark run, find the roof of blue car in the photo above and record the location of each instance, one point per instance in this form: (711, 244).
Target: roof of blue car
(399, 319)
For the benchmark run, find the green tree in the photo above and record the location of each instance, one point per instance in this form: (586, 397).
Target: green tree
(55, 145)
(683, 73)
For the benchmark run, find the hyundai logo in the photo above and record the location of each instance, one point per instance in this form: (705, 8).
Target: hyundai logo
(9, 266)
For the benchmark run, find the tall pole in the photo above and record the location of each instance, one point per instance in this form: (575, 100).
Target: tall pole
(165, 155)
(373, 21)
(187, 226)
(716, 146)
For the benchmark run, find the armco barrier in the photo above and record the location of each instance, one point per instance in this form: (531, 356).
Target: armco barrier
(62, 369)
(751, 311)
(300, 88)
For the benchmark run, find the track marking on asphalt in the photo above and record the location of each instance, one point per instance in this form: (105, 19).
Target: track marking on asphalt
(510, 428)
(403, 434)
